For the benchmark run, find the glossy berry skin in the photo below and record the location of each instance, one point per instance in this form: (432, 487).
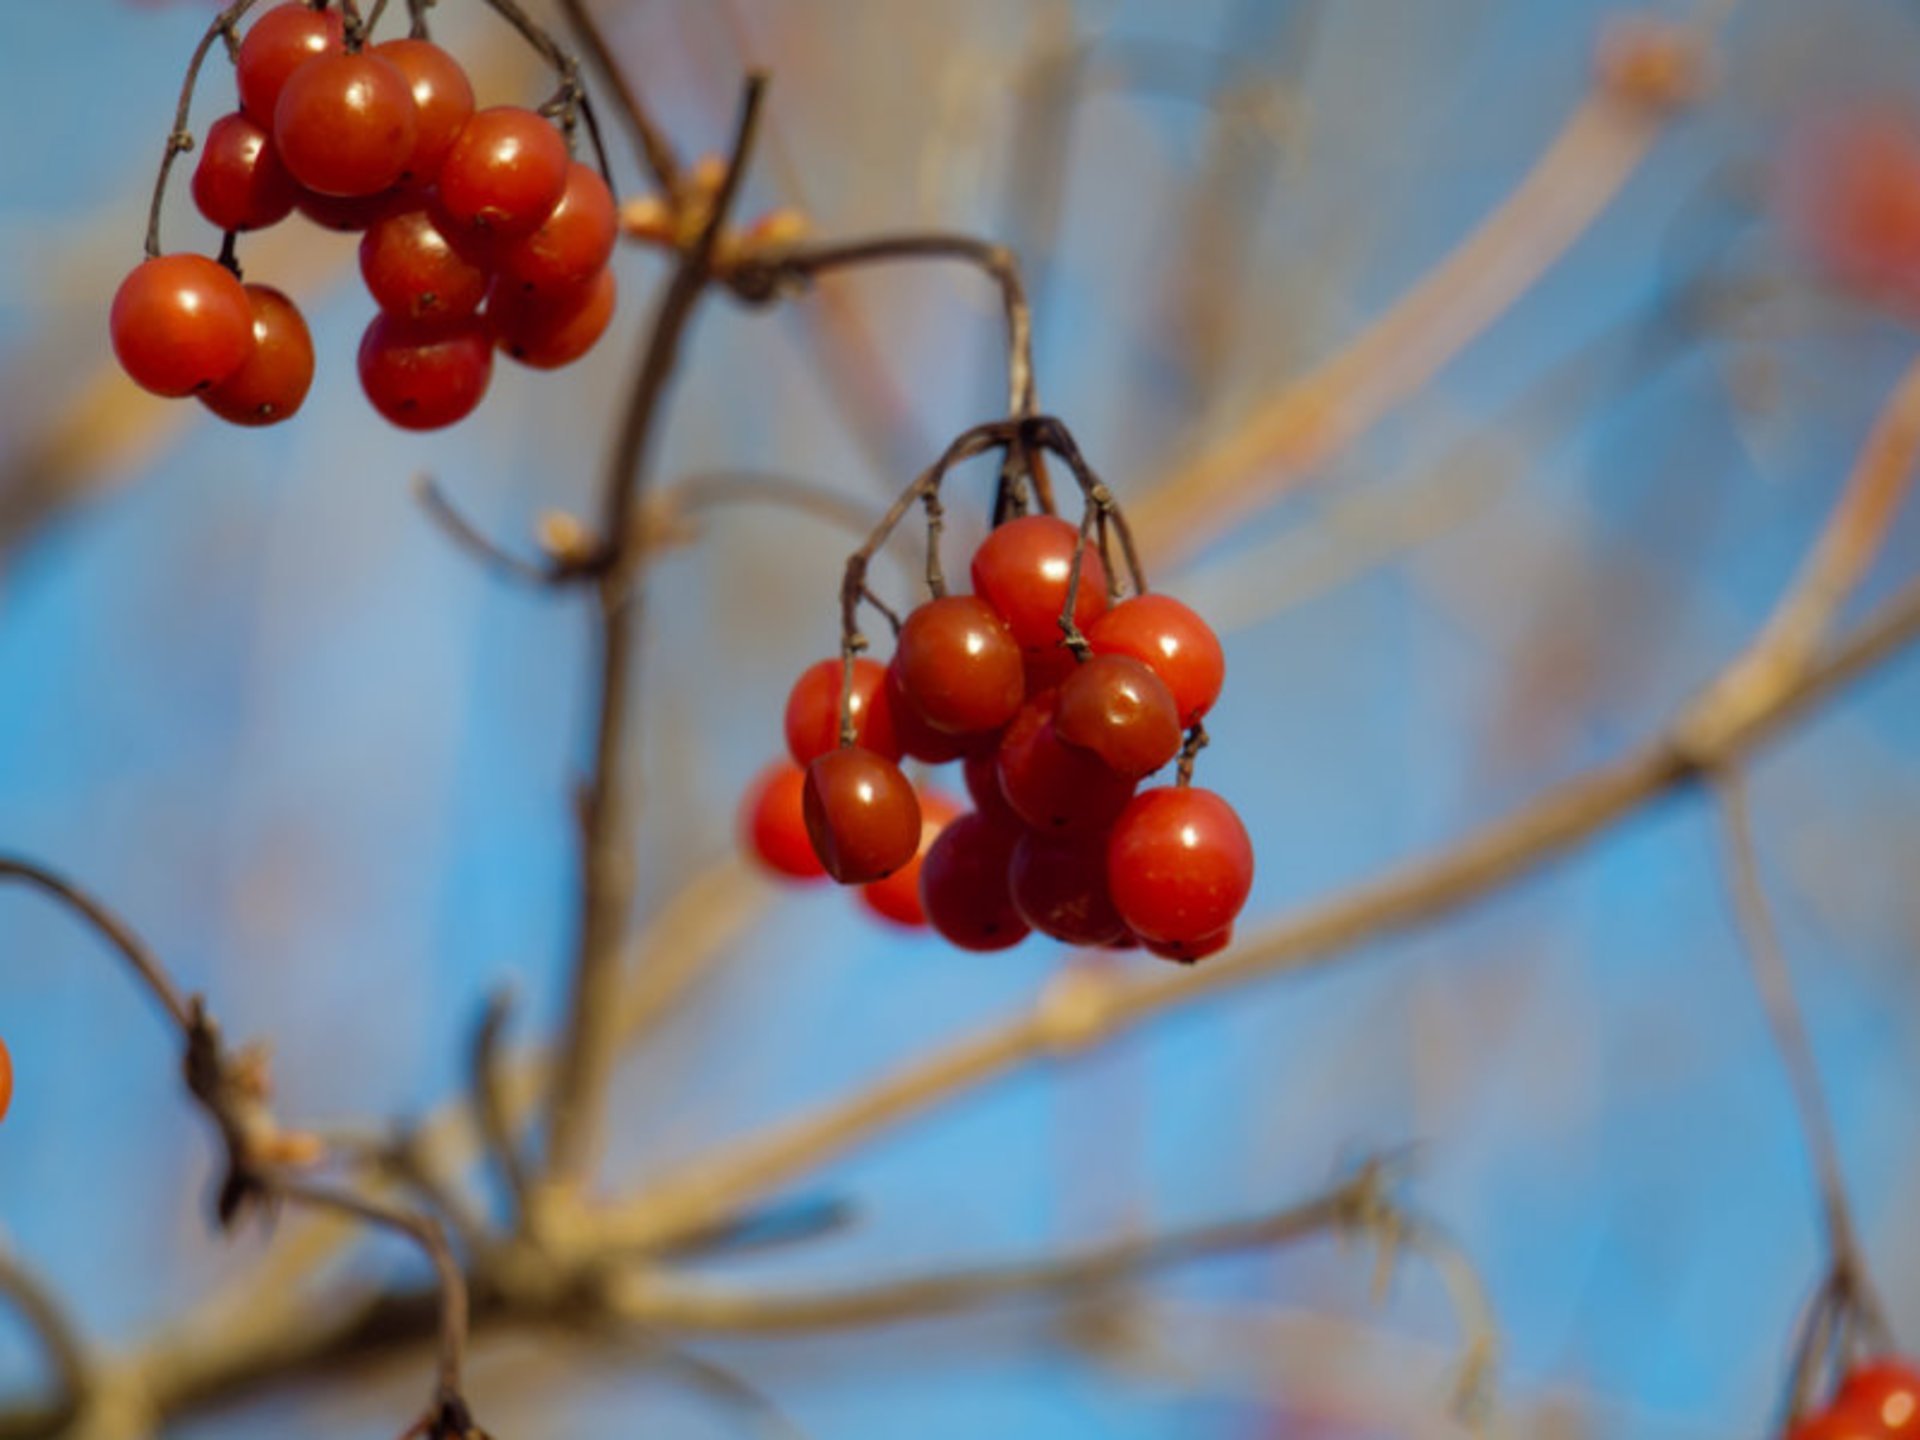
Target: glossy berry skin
(506, 170)
(982, 773)
(442, 103)
(1179, 865)
(1889, 1391)
(1190, 952)
(180, 323)
(571, 246)
(1116, 708)
(548, 331)
(344, 125)
(897, 898)
(273, 381)
(1060, 889)
(959, 667)
(963, 886)
(412, 270)
(862, 814)
(1053, 787)
(423, 375)
(1173, 641)
(239, 182)
(813, 711)
(1839, 1423)
(348, 214)
(773, 823)
(914, 736)
(278, 43)
(1022, 569)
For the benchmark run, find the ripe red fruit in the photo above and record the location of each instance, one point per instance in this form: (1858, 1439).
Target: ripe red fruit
(6, 1080)
(897, 898)
(277, 44)
(572, 245)
(1179, 864)
(505, 172)
(1851, 193)
(423, 375)
(344, 124)
(1022, 569)
(1060, 889)
(963, 886)
(240, 183)
(914, 736)
(1172, 641)
(349, 214)
(862, 814)
(273, 381)
(1889, 1391)
(773, 823)
(1838, 1424)
(548, 331)
(813, 711)
(442, 102)
(1116, 708)
(982, 772)
(180, 323)
(412, 270)
(959, 667)
(1189, 952)
(1052, 786)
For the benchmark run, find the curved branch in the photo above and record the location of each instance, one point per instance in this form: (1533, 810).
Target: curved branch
(66, 1351)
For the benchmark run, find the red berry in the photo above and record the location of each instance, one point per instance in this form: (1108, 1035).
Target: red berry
(1059, 886)
(548, 331)
(349, 214)
(505, 172)
(6, 1080)
(277, 44)
(1189, 952)
(1839, 1423)
(813, 711)
(897, 898)
(982, 772)
(240, 183)
(572, 245)
(412, 270)
(422, 374)
(914, 736)
(862, 814)
(272, 382)
(963, 885)
(773, 823)
(1022, 569)
(180, 323)
(1052, 786)
(1889, 1391)
(442, 102)
(1048, 669)
(1116, 708)
(344, 125)
(1172, 641)
(958, 665)
(1179, 864)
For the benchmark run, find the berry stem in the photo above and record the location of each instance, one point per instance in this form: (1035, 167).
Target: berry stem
(180, 138)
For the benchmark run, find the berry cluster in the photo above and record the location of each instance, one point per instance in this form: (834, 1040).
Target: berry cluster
(1879, 1400)
(1054, 736)
(478, 230)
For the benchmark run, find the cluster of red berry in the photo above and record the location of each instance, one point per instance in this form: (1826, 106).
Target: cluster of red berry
(1054, 740)
(1876, 1401)
(478, 230)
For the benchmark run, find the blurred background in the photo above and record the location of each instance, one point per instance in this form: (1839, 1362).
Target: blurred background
(249, 694)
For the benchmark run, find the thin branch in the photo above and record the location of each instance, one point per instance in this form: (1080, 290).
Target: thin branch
(548, 571)
(180, 138)
(487, 1083)
(655, 149)
(66, 1351)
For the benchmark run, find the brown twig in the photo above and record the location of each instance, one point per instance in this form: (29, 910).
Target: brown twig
(655, 149)
(67, 1353)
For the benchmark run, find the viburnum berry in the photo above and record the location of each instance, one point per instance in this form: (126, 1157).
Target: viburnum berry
(278, 43)
(1172, 641)
(1053, 786)
(423, 375)
(1889, 1391)
(773, 823)
(914, 736)
(1059, 886)
(442, 103)
(349, 214)
(1840, 1423)
(239, 182)
(1023, 569)
(572, 245)
(862, 814)
(180, 323)
(963, 885)
(273, 381)
(959, 667)
(344, 124)
(1189, 952)
(1852, 198)
(506, 170)
(897, 898)
(1116, 708)
(1179, 865)
(546, 330)
(6, 1080)
(813, 711)
(413, 270)
(981, 768)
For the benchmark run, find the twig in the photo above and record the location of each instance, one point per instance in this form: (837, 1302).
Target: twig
(66, 1351)
(655, 149)
(180, 138)
(487, 1082)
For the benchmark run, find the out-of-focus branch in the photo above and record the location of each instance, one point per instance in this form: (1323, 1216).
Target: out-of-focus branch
(67, 1353)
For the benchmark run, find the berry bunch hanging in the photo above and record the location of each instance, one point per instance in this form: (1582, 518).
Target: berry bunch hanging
(1877, 1400)
(1060, 695)
(479, 231)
